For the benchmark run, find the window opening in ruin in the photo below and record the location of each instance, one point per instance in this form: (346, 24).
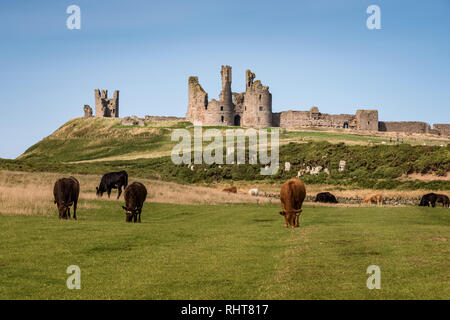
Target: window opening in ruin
(222, 118)
(221, 108)
(260, 108)
(345, 125)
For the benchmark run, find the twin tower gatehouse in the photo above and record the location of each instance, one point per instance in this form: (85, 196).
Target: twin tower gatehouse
(252, 108)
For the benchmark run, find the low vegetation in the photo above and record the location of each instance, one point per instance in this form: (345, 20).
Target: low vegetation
(96, 146)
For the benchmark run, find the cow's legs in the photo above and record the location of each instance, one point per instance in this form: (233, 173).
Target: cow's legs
(135, 217)
(140, 211)
(297, 217)
(68, 213)
(75, 210)
(109, 192)
(120, 192)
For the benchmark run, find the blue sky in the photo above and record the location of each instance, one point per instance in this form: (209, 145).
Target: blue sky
(308, 52)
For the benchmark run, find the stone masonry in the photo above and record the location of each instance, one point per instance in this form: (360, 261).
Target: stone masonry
(104, 107)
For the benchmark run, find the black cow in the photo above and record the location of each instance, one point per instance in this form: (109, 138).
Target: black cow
(112, 180)
(325, 197)
(66, 192)
(427, 199)
(135, 195)
(442, 198)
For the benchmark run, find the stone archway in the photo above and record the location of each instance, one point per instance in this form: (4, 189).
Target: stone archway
(237, 121)
(345, 125)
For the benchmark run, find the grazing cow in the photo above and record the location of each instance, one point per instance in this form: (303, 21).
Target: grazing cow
(442, 198)
(135, 195)
(427, 199)
(112, 180)
(373, 198)
(66, 192)
(325, 197)
(253, 192)
(292, 194)
(232, 189)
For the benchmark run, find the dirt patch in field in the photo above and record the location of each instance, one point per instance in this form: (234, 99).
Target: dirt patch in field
(425, 177)
(440, 239)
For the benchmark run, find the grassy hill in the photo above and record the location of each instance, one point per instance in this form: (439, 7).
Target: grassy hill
(99, 145)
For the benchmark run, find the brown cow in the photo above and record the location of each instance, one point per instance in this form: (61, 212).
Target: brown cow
(66, 192)
(292, 194)
(372, 198)
(232, 189)
(135, 195)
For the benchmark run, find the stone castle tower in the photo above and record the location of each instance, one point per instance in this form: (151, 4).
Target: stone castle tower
(251, 108)
(104, 107)
(257, 103)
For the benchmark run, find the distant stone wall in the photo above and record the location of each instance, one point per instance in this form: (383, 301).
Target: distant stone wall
(404, 126)
(313, 118)
(443, 129)
(162, 118)
(393, 201)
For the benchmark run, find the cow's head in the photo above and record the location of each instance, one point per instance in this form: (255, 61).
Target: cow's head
(99, 191)
(63, 207)
(130, 213)
(291, 217)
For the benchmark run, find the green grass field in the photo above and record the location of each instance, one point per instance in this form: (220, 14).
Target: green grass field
(227, 252)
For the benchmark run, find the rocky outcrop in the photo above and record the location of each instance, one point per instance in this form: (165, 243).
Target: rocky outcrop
(132, 121)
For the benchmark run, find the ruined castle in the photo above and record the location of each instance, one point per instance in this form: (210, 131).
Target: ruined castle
(253, 108)
(105, 107)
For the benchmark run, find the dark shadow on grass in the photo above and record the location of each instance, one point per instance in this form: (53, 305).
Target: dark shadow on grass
(361, 253)
(263, 220)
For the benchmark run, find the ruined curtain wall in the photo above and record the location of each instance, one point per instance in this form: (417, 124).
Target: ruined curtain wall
(443, 129)
(404, 126)
(290, 119)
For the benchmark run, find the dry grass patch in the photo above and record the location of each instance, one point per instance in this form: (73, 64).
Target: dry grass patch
(32, 200)
(31, 193)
